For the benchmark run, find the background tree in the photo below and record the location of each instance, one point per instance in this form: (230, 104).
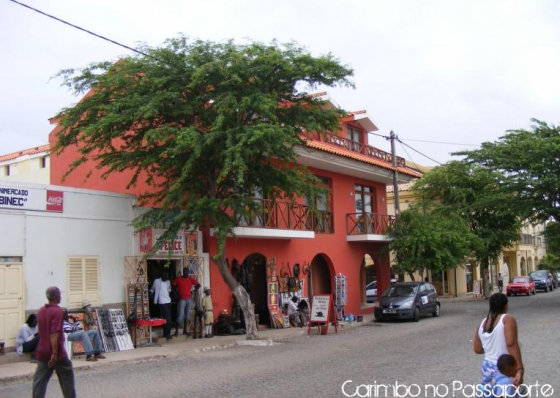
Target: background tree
(530, 163)
(433, 239)
(478, 197)
(204, 124)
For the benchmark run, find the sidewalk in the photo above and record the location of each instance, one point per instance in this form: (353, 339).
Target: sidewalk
(24, 370)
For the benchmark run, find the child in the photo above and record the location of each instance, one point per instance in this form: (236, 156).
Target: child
(503, 383)
(208, 312)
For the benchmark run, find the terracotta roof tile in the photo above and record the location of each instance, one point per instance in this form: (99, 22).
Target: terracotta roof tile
(323, 146)
(30, 151)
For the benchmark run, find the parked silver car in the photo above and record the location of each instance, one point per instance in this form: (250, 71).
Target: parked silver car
(408, 300)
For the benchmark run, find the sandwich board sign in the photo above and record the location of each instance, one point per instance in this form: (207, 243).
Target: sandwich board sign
(322, 312)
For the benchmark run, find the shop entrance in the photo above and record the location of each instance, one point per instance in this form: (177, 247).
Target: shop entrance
(155, 269)
(256, 285)
(321, 278)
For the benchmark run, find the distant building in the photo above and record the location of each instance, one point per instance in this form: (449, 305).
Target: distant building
(30, 165)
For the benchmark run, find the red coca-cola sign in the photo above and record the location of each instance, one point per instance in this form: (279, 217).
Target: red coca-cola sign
(55, 201)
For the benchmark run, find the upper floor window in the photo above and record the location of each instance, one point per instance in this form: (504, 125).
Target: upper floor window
(364, 199)
(43, 162)
(323, 203)
(7, 170)
(355, 136)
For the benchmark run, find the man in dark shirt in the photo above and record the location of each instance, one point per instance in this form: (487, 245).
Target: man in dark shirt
(50, 352)
(184, 285)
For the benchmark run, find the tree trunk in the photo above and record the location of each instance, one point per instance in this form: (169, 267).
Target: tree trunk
(411, 274)
(242, 298)
(485, 279)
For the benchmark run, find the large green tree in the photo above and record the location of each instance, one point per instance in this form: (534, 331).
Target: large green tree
(476, 195)
(430, 238)
(530, 162)
(203, 124)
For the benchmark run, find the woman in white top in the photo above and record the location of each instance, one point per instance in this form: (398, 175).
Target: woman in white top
(497, 335)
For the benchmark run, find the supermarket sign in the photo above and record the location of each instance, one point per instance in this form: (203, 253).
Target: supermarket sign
(16, 198)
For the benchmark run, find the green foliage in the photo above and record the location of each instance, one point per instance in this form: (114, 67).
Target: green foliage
(530, 162)
(552, 236)
(549, 262)
(430, 239)
(204, 128)
(477, 196)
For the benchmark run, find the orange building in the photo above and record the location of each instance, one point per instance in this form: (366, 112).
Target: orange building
(351, 221)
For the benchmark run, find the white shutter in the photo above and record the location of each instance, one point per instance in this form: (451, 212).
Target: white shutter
(83, 280)
(91, 270)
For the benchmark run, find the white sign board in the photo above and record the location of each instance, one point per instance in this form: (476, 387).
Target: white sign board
(174, 247)
(19, 198)
(320, 308)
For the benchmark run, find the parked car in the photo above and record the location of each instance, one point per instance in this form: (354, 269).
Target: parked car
(521, 285)
(543, 280)
(407, 300)
(371, 290)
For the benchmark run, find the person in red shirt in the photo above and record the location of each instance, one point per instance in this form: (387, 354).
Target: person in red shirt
(50, 352)
(184, 285)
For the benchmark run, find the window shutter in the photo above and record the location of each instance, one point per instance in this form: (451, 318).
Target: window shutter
(83, 280)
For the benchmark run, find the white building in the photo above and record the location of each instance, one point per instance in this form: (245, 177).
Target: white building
(78, 240)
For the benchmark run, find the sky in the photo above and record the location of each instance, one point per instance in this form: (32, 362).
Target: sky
(454, 73)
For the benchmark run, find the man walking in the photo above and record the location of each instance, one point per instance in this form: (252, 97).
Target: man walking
(500, 282)
(184, 284)
(50, 352)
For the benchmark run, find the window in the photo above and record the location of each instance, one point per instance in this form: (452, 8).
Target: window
(363, 199)
(323, 221)
(43, 162)
(355, 136)
(7, 168)
(83, 280)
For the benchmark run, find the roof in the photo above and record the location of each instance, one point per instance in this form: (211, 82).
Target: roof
(326, 147)
(25, 152)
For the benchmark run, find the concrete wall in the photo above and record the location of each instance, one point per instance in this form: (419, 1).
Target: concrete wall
(92, 224)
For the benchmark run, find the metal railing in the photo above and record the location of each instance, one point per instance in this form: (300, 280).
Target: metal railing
(368, 223)
(286, 215)
(354, 146)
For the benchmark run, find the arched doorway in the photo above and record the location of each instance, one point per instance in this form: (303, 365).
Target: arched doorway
(256, 285)
(321, 277)
(530, 265)
(523, 267)
(536, 264)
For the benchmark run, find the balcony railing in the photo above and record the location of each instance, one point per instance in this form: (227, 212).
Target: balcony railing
(354, 146)
(285, 215)
(368, 223)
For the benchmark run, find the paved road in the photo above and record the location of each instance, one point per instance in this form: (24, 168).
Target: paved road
(434, 351)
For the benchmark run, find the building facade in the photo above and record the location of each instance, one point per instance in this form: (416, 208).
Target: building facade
(351, 219)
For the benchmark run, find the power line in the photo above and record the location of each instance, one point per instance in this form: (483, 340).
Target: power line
(407, 154)
(426, 156)
(441, 142)
(90, 32)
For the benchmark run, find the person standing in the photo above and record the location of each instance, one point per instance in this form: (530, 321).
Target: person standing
(497, 335)
(50, 352)
(161, 290)
(208, 312)
(184, 285)
(500, 282)
(28, 337)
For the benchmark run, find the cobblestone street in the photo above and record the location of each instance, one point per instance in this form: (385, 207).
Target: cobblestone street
(433, 351)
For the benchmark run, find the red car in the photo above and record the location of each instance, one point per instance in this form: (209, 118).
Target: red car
(521, 285)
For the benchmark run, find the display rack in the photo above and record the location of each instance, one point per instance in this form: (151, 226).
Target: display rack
(340, 298)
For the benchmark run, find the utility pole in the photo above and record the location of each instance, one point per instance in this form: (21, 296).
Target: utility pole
(393, 138)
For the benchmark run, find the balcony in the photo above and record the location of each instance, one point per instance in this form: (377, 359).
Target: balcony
(526, 239)
(353, 146)
(368, 227)
(283, 220)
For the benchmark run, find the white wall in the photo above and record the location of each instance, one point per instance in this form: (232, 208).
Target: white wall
(92, 224)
